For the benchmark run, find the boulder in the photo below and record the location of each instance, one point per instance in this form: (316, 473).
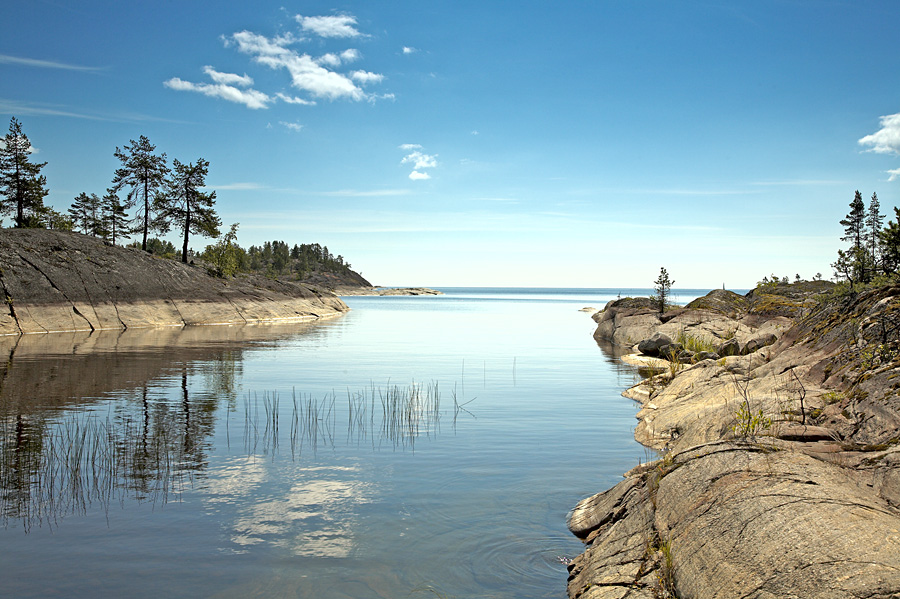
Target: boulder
(758, 342)
(652, 345)
(731, 347)
(665, 351)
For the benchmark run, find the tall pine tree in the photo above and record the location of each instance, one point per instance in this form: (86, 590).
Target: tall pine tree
(874, 220)
(854, 260)
(115, 216)
(144, 172)
(22, 186)
(185, 206)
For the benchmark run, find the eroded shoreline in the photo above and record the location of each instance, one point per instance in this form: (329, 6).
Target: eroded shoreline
(781, 469)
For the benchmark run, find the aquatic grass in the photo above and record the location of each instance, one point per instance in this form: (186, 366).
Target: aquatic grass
(390, 415)
(53, 466)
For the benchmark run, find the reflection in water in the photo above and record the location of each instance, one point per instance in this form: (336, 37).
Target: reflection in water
(56, 464)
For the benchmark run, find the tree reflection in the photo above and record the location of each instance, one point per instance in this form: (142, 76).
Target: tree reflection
(54, 464)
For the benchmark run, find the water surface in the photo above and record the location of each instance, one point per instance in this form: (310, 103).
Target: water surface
(414, 446)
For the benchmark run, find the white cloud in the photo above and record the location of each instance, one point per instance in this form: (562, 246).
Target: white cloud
(291, 126)
(887, 139)
(294, 99)
(350, 54)
(894, 174)
(409, 50)
(250, 98)
(336, 26)
(366, 77)
(331, 60)
(306, 74)
(228, 78)
(238, 186)
(43, 64)
(420, 160)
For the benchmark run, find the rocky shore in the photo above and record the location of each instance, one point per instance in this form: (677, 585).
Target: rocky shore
(777, 416)
(55, 281)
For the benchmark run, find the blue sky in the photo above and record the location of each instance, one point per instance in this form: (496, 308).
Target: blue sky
(485, 143)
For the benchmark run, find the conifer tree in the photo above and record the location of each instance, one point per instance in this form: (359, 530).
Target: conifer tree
(144, 172)
(185, 206)
(83, 213)
(115, 216)
(852, 264)
(854, 222)
(874, 220)
(22, 186)
(663, 285)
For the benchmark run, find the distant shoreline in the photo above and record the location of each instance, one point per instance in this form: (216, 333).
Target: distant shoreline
(380, 291)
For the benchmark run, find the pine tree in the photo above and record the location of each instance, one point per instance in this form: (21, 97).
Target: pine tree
(854, 222)
(115, 216)
(663, 286)
(22, 186)
(86, 213)
(144, 172)
(184, 205)
(874, 221)
(856, 258)
(890, 244)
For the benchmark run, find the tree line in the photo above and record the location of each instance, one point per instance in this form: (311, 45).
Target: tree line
(874, 248)
(272, 258)
(162, 197)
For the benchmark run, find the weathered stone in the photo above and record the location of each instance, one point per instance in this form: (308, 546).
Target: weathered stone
(758, 342)
(56, 281)
(749, 502)
(731, 347)
(652, 345)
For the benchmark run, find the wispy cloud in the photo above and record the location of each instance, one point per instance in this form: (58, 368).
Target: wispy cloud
(418, 176)
(21, 108)
(409, 50)
(366, 77)
(44, 64)
(894, 174)
(799, 182)
(250, 98)
(306, 74)
(377, 193)
(408, 147)
(316, 77)
(239, 186)
(333, 26)
(228, 78)
(420, 160)
(294, 99)
(296, 127)
(887, 139)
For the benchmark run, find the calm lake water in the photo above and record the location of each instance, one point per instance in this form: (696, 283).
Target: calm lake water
(416, 446)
